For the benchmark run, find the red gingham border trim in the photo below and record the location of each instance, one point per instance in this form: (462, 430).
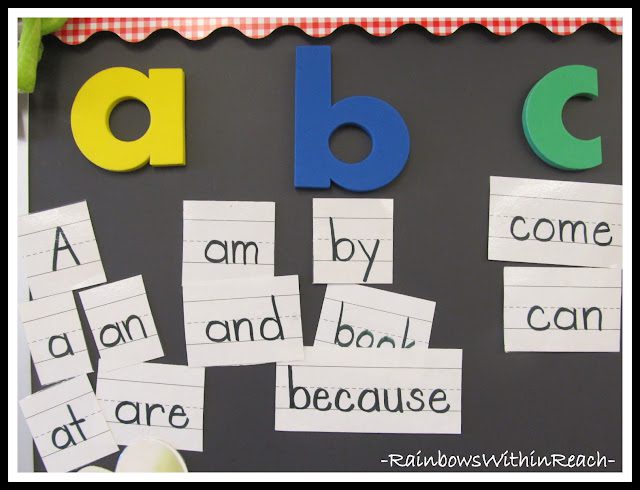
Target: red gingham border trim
(78, 30)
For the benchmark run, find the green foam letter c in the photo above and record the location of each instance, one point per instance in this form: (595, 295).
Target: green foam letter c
(542, 118)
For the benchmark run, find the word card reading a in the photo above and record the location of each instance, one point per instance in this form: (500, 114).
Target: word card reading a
(59, 251)
(54, 333)
(227, 239)
(360, 316)
(122, 324)
(243, 321)
(353, 241)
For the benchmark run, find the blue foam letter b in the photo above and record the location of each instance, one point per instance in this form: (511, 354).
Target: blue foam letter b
(317, 119)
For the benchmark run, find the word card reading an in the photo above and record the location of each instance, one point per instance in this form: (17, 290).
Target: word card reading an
(122, 324)
(54, 333)
(67, 425)
(243, 321)
(353, 241)
(551, 309)
(59, 251)
(383, 391)
(554, 222)
(360, 316)
(162, 401)
(227, 240)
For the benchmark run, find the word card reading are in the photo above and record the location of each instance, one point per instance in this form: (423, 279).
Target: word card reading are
(161, 401)
(353, 241)
(360, 316)
(54, 333)
(59, 250)
(555, 222)
(243, 321)
(550, 309)
(67, 425)
(383, 391)
(227, 239)
(120, 318)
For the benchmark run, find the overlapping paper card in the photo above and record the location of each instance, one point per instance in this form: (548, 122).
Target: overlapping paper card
(364, 390)
(353, 241)
(562, 309)
(227, 239)
(56, 341)
(59, 251)
(243, 321)
(361, 316)
(161, 401)
(555, 222)
(67, 425)
(122, 324)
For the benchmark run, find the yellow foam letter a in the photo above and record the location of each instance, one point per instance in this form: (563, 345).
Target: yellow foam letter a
(162, 92)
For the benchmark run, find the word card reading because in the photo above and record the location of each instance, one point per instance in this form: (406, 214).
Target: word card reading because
(122, 324)
(243, 321)
(554, 222)
(161, 401)
(550, 309)
(227, 239)
(357, 390)
(353, 241)
(67, 425)
(54, 333)
(59, 250)
(360, 316)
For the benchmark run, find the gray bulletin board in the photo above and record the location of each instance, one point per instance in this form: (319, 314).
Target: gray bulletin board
(461, 97)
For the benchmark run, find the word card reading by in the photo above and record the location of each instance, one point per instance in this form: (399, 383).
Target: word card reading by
(59, 251)
(413, 392)
(123, 328)
(360, 316)
(67, 425)
(227, 239)
(161, 401)
(551, 309)
(353, 241)
(54, 333)
(243, 321)
(555, 222)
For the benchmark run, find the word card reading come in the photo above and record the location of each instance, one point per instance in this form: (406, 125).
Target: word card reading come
(383, 391)
(562, 309)
(227, 239)
(353, 241)
(120, 318)
(162, 401)
(554, 222)
(243, 321)
(67, 425)
(54, 333)
(59, 250)
(360, 316)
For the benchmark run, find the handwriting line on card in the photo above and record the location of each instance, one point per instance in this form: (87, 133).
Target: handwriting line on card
(63, 268)
(378, 309)
(557, 199)
(54, 227)
(115, 301)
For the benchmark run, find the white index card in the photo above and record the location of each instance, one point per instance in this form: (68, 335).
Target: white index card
(121, 322)
(67, 425)
(382, 391)
(54, 333)
(560, 309)
(353, 241)
(227, 240)
(555, 222)
(243, 321)
(161, 401)
(59, 250)
(360, 316)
